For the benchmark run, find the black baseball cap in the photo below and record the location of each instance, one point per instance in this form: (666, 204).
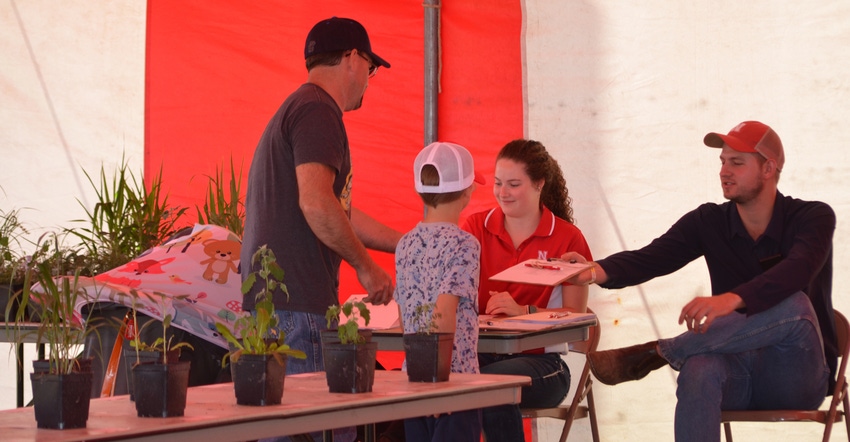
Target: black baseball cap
(340, 34)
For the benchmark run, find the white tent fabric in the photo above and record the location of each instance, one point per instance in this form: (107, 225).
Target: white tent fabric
(625, 92)
(621, 93)
(71, 100)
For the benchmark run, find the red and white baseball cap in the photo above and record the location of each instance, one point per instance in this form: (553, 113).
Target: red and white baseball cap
(751, 137)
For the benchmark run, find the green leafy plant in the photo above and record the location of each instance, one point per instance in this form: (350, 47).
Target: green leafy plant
(12, 255)
(425, 318)
(258, 332)
(129, 218)
(162, 344)
(53, 290)
(349, 331)
(223, 205)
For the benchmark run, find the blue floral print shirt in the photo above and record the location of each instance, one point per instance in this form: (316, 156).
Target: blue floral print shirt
(436, 258)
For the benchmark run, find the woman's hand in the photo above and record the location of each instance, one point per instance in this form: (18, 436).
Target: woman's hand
(501, 303)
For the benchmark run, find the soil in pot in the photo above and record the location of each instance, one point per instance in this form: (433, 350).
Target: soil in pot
(258, 379)
(428, 357)
(160, 389)
(82, 365)
(331, 336)
(350, 368)
(61, 401)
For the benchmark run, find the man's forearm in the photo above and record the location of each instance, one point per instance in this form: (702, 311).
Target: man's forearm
(373, 234)
(331, 226)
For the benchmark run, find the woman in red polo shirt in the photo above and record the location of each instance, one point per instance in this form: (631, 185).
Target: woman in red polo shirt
(533, 220)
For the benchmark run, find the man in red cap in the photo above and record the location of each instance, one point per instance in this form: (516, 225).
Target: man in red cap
(765, 339)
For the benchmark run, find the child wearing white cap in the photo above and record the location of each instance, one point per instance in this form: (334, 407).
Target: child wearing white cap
(437, 263)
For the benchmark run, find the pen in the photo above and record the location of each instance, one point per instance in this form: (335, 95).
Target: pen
(572, 261)
(559, 315)
(542, 266)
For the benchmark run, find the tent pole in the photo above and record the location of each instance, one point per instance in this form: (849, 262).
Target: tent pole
(432, 67)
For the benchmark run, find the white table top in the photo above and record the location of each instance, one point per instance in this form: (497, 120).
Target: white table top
(25, 332)
(503, 341)
(212, 414)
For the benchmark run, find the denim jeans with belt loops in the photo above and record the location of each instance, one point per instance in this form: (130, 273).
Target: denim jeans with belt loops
(770, 360)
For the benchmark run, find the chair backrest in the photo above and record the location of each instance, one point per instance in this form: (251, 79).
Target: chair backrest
(842, 332)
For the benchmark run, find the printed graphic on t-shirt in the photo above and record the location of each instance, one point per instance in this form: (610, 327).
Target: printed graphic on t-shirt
(345, 195)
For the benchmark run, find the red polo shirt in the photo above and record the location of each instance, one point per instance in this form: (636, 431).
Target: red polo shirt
(553, 237)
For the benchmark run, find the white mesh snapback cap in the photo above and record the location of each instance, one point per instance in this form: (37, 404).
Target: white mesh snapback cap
(453, 163)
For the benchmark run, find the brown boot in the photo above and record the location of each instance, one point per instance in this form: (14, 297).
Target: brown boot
(625, 364)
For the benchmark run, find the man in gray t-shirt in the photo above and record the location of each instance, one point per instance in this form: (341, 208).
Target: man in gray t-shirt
(299, 191)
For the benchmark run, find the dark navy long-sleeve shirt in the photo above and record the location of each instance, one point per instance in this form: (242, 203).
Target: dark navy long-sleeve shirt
(794, 254)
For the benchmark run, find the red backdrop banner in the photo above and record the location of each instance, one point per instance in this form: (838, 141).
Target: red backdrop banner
(217, 71)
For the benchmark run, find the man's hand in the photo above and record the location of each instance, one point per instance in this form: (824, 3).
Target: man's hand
(378, 284)
(701, 311)
(597, 275)
(329, 223)
(501, 303)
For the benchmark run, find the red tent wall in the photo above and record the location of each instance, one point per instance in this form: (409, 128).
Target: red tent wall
(217, 71)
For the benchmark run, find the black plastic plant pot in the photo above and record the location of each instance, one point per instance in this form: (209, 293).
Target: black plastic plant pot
(161, 388)
(61, 401)
(7, 292)
(428, 356)
(131, 359)
(258, 379)
(350, 368)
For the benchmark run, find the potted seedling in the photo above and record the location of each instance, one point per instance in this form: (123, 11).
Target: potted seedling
(350, 361)
(12, 258)
(160, 386)
(135, 350)
(62, 383)
(428, 353)
(258, 357)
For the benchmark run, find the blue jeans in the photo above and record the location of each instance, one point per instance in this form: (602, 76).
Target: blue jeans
(771, 360)
(550, 383)
(303, 331)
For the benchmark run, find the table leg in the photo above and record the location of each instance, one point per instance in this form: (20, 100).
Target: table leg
(19, 367)
(369, 433)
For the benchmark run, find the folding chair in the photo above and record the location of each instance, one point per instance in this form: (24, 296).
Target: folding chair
(826, 417)
(583, 390)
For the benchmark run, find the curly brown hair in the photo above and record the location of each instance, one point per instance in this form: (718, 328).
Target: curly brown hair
(539, 165)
